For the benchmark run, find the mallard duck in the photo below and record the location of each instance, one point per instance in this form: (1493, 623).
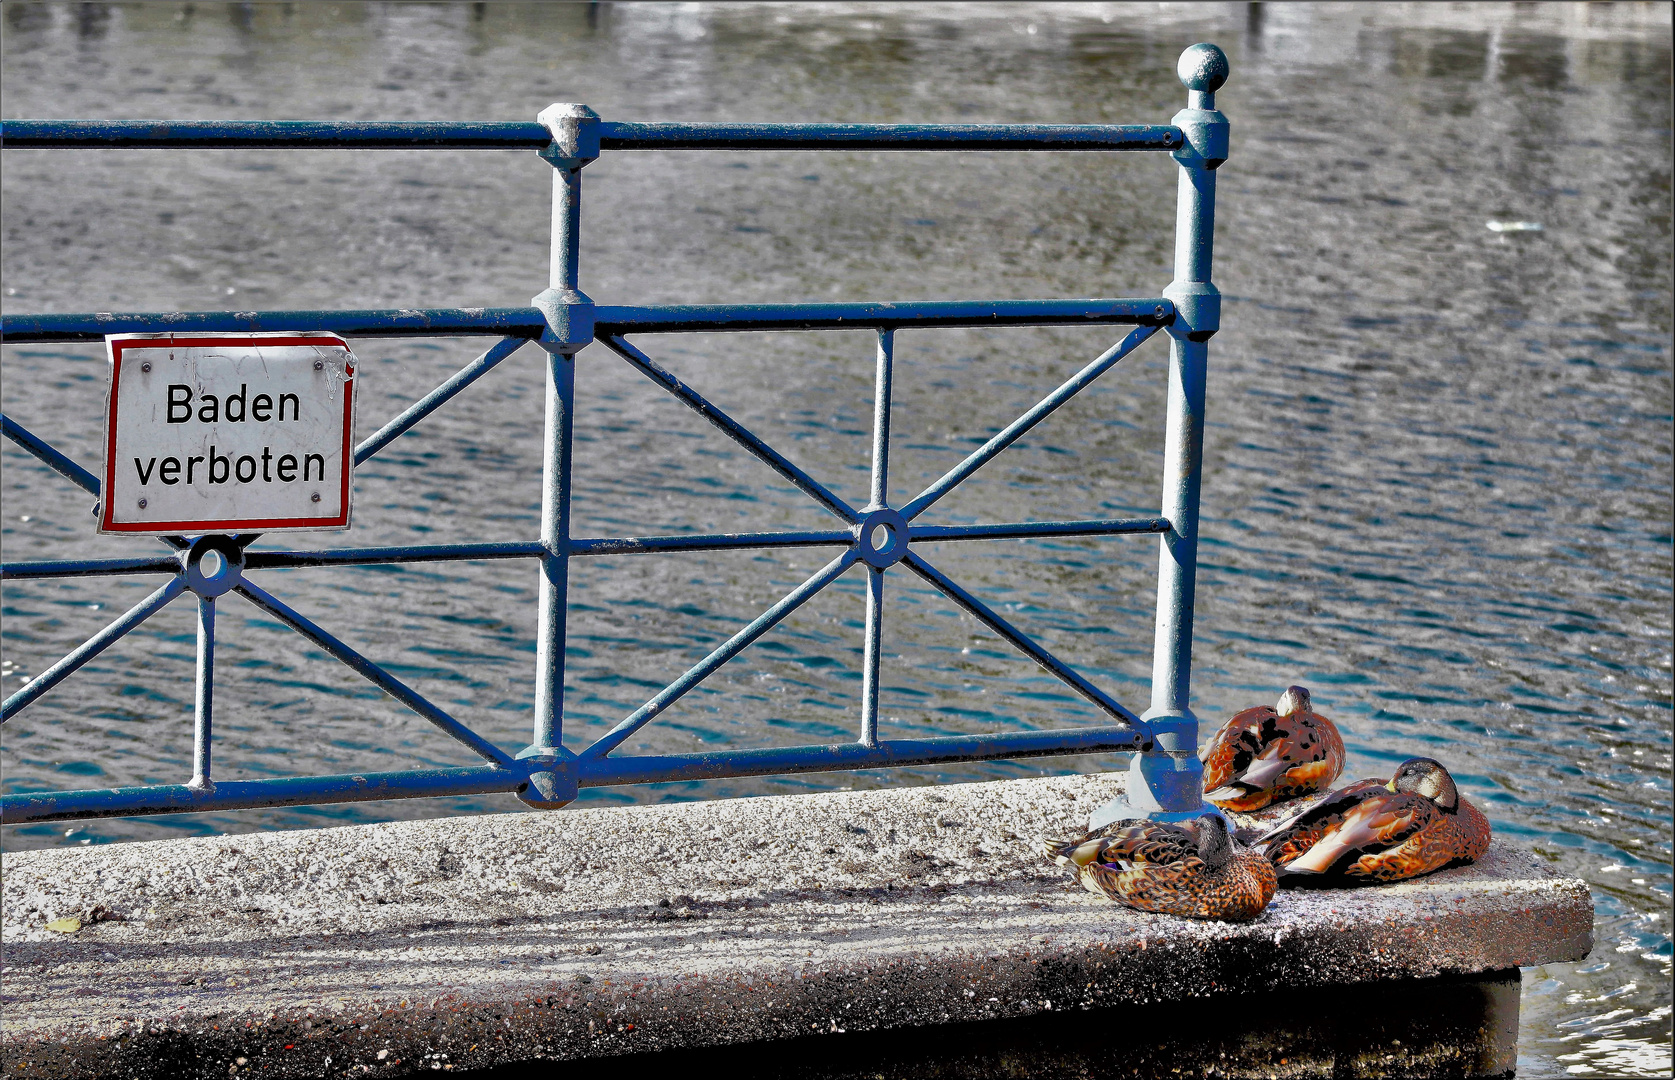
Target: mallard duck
(1376, 830)
(1189, 869)
(1265, 754)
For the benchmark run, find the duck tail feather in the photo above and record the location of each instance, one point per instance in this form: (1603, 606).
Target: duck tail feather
(1059, 850)
(1337, 802)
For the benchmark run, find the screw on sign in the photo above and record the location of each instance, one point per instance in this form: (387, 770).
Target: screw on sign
(221, 433)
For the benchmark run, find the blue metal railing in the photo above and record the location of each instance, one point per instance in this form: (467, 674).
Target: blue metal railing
(562, 320)
(607, 135)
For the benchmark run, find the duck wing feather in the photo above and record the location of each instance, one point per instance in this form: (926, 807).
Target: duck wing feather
(1230, 750)
(1372, 826)
(1236, 892)
(1127, 843)
(1449, 839)
(1328, 811)
(1260, 756)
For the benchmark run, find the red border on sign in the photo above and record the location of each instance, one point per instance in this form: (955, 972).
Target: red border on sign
(118, 346)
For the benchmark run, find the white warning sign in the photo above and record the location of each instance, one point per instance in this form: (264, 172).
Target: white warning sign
(222, 433)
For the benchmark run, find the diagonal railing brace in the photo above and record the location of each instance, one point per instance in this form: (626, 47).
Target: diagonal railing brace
(733, 429)
(372, 673)
(1015, 430)
(725, 652)
(1050, 663)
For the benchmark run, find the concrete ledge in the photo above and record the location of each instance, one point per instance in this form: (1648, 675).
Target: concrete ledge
(474, 942)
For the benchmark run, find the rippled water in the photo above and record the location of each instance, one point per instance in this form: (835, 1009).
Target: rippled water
(1438, 466)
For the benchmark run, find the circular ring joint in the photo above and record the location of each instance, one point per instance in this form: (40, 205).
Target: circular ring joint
(214, 565)
(881, 536)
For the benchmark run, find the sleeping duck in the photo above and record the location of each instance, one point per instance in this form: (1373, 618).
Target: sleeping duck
(1264, 755)
(1377, 831)
(1188, 869)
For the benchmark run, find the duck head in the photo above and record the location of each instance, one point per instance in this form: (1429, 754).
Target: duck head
(1425, 776)
(1214, 845)
(1294, 700)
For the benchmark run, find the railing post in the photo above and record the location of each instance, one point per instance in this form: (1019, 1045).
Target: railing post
(569, 314)
(203, 712)
(882, 391)
(1167, 783)
(213, 565)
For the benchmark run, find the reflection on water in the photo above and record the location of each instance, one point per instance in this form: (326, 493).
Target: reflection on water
(1438, 485)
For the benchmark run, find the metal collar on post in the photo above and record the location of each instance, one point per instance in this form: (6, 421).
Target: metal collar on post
(214, 565)
(1203, 70)
(575, 145)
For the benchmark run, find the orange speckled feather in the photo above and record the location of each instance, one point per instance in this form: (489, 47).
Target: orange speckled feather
(1301, 833)
(1471, 832)
(1153, 866)
(1382, 822)
(1131, 841)
(1260, 757)
(1235, 893)
(1369, 834)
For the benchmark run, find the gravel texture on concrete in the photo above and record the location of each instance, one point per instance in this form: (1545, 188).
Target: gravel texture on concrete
(470, 942)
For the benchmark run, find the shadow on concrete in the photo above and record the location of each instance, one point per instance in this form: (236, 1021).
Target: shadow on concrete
(1447, 1027)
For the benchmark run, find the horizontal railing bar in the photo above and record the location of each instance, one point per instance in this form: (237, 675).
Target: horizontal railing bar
(143, 564)
(1026, 529)
(271, 135)
(519, 322)
(291, 560)
(687, 318)
(250, 794)
(529, 323)
(33, 806)
(643, 136)
(372, 673)
(636, 545)
(528, 135)
(581, 546)
(603, 772)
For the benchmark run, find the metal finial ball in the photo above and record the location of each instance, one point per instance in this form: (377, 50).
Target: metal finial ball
(1203, 67)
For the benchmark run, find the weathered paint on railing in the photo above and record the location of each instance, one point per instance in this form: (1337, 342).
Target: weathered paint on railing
(562, 320)
(606, 135)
